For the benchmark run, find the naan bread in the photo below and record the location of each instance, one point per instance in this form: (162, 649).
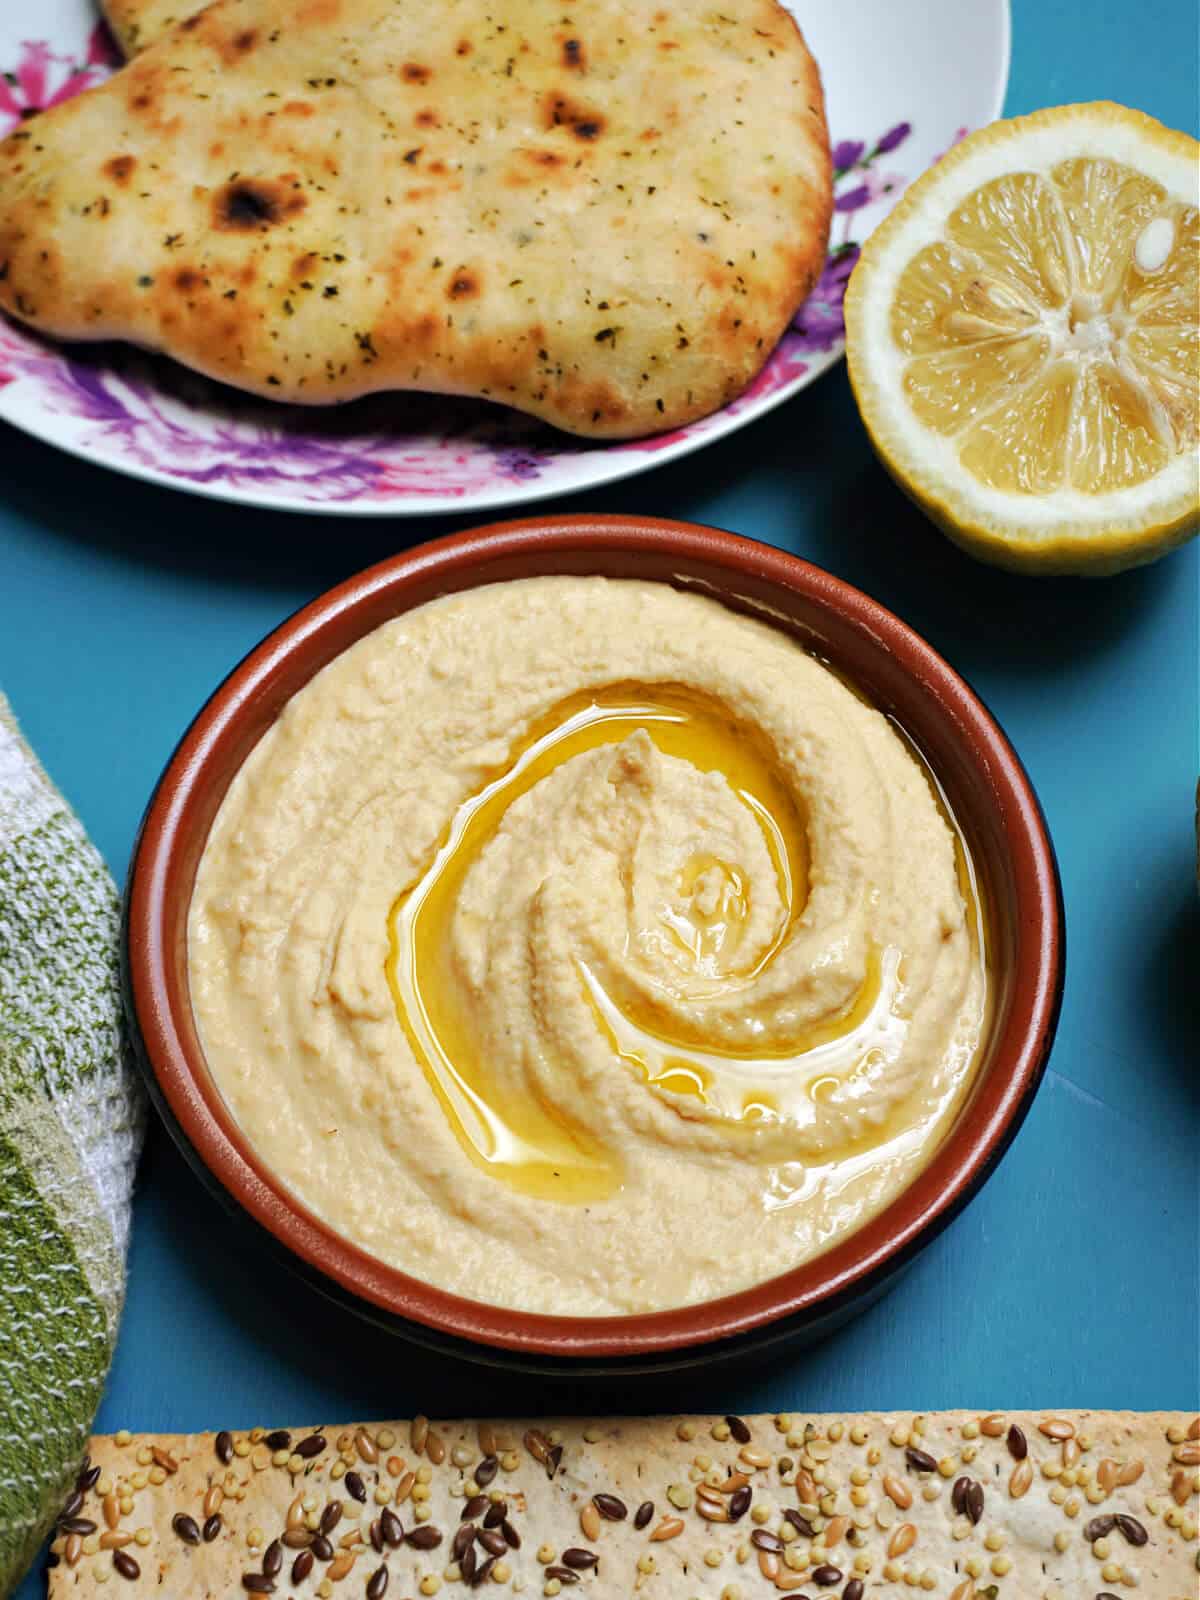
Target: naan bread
(138, 23)
(605, 219)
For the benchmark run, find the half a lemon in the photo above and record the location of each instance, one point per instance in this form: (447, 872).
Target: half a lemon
(1023, 337)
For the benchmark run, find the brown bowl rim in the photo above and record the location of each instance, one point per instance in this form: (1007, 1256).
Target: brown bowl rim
(161, 1014)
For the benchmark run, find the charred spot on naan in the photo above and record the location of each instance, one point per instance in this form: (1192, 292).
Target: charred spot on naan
(188, 280)
(465, 284)
(532, 165)
(592, 401)
(147, 89)
(233, 49)
(560, 111)
(252, 205)
(120, 169)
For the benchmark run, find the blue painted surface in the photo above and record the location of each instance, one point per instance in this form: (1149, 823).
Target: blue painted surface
(1071, 1280)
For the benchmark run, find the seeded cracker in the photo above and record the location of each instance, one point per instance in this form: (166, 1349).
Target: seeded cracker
(1009, 1506)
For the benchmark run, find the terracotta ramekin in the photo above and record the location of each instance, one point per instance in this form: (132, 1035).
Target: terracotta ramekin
(983, 780)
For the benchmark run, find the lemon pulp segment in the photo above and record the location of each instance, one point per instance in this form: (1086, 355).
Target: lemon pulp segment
(1053, 331)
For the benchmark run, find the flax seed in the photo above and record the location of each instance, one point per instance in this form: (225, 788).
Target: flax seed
(610, 1508)
(424, 1538)
(579, 1560)
(1133, 1530)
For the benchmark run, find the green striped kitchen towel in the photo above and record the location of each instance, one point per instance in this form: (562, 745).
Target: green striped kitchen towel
(71, 1119)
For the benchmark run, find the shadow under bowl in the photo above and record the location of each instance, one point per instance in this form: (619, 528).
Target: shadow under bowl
(984, 783)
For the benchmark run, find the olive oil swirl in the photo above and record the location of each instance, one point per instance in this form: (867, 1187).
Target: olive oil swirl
(541, 1146)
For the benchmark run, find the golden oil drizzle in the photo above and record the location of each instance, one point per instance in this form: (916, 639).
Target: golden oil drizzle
(538, 1147)
(748, 1087)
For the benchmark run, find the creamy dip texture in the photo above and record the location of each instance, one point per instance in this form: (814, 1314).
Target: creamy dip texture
(585, 947)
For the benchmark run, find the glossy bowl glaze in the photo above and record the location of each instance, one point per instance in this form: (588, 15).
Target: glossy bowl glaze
(982, 778)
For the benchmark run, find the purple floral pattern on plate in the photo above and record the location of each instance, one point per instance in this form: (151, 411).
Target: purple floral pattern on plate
(388, 452)
(156, 415)
(858, 182)
(43, 78)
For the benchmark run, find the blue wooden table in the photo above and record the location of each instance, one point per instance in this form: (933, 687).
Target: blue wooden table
(1071, 1281)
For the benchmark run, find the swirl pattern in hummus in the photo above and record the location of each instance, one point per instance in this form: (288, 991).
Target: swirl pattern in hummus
(583, 946)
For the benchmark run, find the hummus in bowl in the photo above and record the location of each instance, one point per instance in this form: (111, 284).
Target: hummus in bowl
(584, 947)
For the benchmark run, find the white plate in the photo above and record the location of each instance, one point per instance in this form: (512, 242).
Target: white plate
(903, 82)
